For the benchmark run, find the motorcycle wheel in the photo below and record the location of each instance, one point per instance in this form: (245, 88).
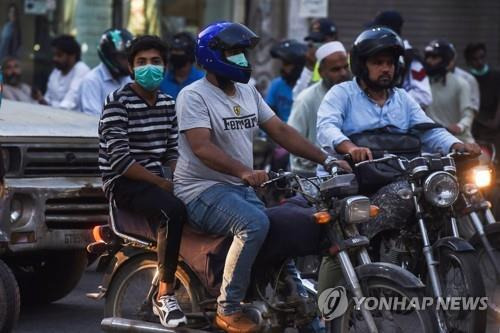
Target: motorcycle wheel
(413, 321)
(127, 294)
(491, 284)
(10, 300)
(458, 274)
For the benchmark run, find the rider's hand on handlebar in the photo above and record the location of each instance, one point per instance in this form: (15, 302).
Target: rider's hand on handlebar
(343, 165)
(472, 148)
(254, 178)
(359, 154)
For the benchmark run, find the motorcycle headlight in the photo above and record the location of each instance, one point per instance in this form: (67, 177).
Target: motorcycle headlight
(356, 209)
(441, 189)
(482, 176)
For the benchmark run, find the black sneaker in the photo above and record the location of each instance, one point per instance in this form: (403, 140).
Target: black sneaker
(169, 311)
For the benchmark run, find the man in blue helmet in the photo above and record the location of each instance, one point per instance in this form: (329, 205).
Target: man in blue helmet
(214, 177)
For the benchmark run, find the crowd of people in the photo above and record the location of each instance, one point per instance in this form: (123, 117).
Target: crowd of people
(72, 85)
(156, 109)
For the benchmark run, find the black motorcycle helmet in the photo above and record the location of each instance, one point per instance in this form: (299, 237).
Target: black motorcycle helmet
(371, 42)
(114, 44)
(183, 46)
(290, 51)
(443, 49)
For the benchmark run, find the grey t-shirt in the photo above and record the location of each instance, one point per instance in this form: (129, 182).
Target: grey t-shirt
(232, 120)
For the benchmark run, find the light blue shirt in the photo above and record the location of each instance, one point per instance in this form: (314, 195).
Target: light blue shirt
(347, 109)
(280, 98)
(96, 86)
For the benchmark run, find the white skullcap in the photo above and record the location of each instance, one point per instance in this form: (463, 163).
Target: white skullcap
(329, 48)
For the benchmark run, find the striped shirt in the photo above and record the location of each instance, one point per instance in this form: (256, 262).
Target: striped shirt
(132, 131)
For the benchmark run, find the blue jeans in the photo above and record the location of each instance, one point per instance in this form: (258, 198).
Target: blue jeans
(231, 210)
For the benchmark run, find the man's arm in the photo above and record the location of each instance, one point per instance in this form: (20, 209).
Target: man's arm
(433, 140)
(466, 108)
(70, 100)
(287, 137)
(212, 156)
(330, 121)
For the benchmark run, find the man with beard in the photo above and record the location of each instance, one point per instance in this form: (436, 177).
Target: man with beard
(13, 88)
(371, 104)
(64, 81)
(110, 75)
(182, 71)
(279, 95)
(487, 123)
(333, 69)
(451, 105)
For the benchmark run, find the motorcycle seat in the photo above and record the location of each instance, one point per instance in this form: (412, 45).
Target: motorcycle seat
(130, 226)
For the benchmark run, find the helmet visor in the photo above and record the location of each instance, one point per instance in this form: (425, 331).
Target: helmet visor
(235, 36)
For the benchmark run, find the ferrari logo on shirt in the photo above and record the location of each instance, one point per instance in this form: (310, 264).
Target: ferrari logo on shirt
(237, 110)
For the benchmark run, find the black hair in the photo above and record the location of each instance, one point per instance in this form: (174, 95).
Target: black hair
(147, 42)
(68, 45)
(472, 48)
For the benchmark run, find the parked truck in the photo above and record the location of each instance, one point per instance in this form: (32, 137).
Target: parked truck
(53, 197)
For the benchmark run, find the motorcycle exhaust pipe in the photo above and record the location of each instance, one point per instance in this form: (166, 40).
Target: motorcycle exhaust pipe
(115, 324)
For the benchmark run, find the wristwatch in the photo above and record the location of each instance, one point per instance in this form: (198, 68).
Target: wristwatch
(329, 162)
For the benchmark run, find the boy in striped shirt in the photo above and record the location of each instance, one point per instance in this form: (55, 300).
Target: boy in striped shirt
(138, 135)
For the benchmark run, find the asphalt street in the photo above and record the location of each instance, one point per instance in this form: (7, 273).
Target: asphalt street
(78, 314)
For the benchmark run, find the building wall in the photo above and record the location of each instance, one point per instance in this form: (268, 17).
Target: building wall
(459, 21)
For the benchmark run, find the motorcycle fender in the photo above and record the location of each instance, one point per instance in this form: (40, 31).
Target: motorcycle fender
(489, 231)
(120, 257)
(390, 272)
(454, 244)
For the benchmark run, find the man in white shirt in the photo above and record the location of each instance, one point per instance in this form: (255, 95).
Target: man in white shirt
(333, 69)
(65, 79)
(110, 75)
(13, 88)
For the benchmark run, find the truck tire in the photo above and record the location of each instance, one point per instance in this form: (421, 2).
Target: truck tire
(52, 276)
(10, 300)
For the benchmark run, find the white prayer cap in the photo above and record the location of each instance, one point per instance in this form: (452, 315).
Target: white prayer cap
(328, 49)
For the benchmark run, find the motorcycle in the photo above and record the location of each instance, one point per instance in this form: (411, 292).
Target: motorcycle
(477, 223)
(130, 279)
(447, 261)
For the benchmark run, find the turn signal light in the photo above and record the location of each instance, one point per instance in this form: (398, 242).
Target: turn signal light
(322, 217)
(374, 210)
(96, 234)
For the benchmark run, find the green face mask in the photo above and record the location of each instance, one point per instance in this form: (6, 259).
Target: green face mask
(238, 59)
(149, 76)
(481, 71)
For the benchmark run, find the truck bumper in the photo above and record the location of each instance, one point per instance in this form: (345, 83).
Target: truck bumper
(52, 213)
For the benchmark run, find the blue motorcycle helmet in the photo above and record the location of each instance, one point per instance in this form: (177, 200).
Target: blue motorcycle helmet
(223, 36)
